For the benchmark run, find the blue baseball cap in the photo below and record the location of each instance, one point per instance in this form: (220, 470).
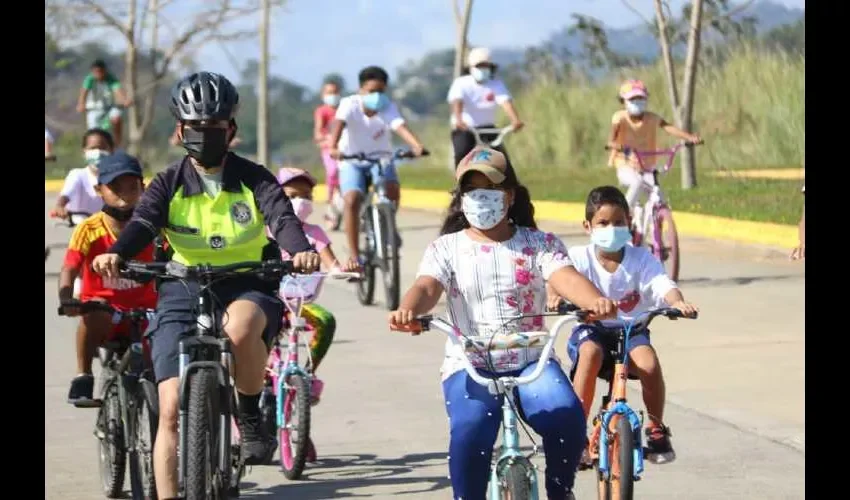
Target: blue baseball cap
(117, 164)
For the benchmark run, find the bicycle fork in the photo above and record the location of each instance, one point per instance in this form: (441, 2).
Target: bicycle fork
(289, 367)
(510, 452)
(622, 409)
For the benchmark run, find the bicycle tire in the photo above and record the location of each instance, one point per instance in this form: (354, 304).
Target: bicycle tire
(620, 482)
(390, 268)
(366, 286)
(202, 435)
(112, 457)
(517, 480)
(293, 452)
(141, 460)
(669, 252)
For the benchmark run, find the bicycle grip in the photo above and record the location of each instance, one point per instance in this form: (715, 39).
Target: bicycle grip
(414, 327)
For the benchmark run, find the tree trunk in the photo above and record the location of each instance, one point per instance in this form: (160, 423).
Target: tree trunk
(462, 29)
(689, 172)
(667, 57)
(131, 77)
(263, 90)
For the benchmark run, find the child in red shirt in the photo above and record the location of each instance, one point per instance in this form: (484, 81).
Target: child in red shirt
(119, 183)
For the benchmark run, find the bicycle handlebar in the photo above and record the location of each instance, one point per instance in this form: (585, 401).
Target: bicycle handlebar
(568, 313)
(117, 314)
(627, 150)
(377, 156)
(68, 220)
(500, 137)
(174, 269)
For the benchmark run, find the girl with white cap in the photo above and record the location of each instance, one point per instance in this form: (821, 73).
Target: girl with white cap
(474, 98)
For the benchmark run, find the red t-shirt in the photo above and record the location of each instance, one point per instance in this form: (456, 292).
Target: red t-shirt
(324, 115)
(91, 238)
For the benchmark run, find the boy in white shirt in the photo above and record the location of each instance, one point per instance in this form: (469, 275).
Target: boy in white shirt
(362, 124)
(636, 280)
(78, 192)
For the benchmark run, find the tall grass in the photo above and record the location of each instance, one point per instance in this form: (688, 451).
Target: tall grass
(749, 108)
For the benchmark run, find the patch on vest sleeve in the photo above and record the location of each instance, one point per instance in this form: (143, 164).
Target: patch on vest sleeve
(241, 212)
(216, 242)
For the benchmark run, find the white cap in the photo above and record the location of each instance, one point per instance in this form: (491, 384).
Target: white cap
(477, 56)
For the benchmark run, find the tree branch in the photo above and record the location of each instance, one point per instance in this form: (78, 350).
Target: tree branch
(636, 12)
(110, 20)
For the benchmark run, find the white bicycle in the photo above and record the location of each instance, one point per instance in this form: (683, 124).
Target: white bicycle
(500, 133)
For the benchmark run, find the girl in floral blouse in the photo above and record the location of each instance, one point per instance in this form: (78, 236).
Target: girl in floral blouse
(493, 264)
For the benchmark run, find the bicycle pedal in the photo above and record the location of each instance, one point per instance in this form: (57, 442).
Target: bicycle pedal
(88, 403)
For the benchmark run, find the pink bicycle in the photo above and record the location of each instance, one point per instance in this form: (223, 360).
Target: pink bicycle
(657, 220)
(286, 402)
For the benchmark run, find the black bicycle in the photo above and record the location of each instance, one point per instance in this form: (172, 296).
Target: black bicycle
(209, 465)
(128, 406)
(379, 246)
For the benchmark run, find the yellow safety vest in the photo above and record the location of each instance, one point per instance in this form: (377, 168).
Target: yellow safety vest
(222, 230)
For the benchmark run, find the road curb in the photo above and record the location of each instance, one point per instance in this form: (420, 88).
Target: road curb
(688, 224)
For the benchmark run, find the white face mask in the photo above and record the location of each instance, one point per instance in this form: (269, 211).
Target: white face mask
(94, 155)
(480, 74)
(484, 208)
(636, 107)
(302, 208)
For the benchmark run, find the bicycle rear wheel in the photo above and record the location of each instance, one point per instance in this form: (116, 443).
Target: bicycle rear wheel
(110, 432)
(294, 436)
(202, 460)
(620, 482)
(668, 252)
(390, 264)
(517, 481)
(366, 286)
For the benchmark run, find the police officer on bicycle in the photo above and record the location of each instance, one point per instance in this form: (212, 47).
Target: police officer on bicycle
(213, 207)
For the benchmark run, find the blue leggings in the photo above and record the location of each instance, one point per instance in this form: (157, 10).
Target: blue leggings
(549, 405)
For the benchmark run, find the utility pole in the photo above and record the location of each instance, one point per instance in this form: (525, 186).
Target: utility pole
(263, 89)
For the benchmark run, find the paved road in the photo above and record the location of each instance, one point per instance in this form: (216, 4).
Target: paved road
(735, 382)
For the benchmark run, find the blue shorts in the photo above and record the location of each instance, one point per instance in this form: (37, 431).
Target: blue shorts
(352, 175)
(584, 333)
(175, 317)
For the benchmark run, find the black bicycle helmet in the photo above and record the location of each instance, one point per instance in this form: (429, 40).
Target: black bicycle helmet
(204, 96)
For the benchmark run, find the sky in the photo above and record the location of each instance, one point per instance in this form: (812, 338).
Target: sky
(310, 38)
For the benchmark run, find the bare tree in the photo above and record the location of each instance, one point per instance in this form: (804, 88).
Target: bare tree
(212, 20)
(462, 18)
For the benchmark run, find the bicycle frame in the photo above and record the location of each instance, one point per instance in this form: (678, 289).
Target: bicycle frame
(621, 408)
(510, 450)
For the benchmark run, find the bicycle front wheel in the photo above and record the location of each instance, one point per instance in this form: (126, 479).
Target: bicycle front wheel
(110, 431)
(390, 264)
(294, 436)
(141, 461)
(202, 437)
(668, 243)
(366, 286)
(517, 481)
(620, 482)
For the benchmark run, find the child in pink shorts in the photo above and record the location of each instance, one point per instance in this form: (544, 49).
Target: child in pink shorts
(322, 118)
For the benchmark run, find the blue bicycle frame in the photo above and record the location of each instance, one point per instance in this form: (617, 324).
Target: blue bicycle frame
(510, 450)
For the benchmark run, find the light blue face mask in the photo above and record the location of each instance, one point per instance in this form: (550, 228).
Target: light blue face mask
(331, 99)
(94, 155)
(480, 74)
(610, 238)
(375, 101)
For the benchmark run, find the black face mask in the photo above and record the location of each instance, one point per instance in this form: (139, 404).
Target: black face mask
(119, 214)
(206, 145)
